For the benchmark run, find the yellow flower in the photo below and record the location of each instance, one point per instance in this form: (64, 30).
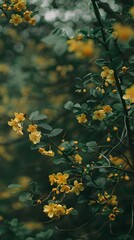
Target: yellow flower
(52, 179)
(62, 178)
(27, 16)
(123, 32)
(54, 210)
(113, 200)
(15, 19)
(77, 188)
(108, 75)
(78, 158)
(129, 94)
(32, 21)
(103, 198)
(35, 137)
(49, 153)
(107, 109)
(32, 128)
(82, 118)
(99, 115)
(19, 117)
(21, 5)
(17, 127)
(65, 188)
(116, 160)
(82, 49)
(105, 72)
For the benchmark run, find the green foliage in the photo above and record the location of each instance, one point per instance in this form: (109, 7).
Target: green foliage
(75, 65)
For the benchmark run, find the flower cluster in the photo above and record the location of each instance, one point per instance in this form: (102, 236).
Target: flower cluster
(62, 186)
(58, 178)
(115, 212)
(56, 210)
(17, 9)
(16, 123)
(81, 48)
(101, 113)
(107, 198)
(34, 135)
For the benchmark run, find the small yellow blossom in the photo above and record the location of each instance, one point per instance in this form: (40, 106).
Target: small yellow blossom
(58, 178)
(19, 117)
(49, 153)
(32, 128)
(123, 32)
(113, 200)
(129, 94)
(65, 188)
(105, 72)
(99, 115)
(80, 48)
(52, 179)
(27, 16)
(78, 158)
(124, 69)
(17, 127)
(35, 137)
(82, 118)
(108, 75)
(15, 19)
(62, 178)
(32, 21)
(21, 5)
(77, 188)
(107, 109)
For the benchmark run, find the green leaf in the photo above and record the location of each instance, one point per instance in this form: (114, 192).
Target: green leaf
(24, 197)
(45, 235)
(18, 186)
(55, 132)
(2, 230)
(29, 238)
(91, 145)
(100, 182)
(82, 199)
(33, 115)
(58, 161)
(69, 105)
(100, 62)
(14, 222)
(38, 145)
(45, 126)
(40, 117)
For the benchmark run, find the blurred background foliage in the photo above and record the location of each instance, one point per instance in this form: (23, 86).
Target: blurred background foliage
(37, 72)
